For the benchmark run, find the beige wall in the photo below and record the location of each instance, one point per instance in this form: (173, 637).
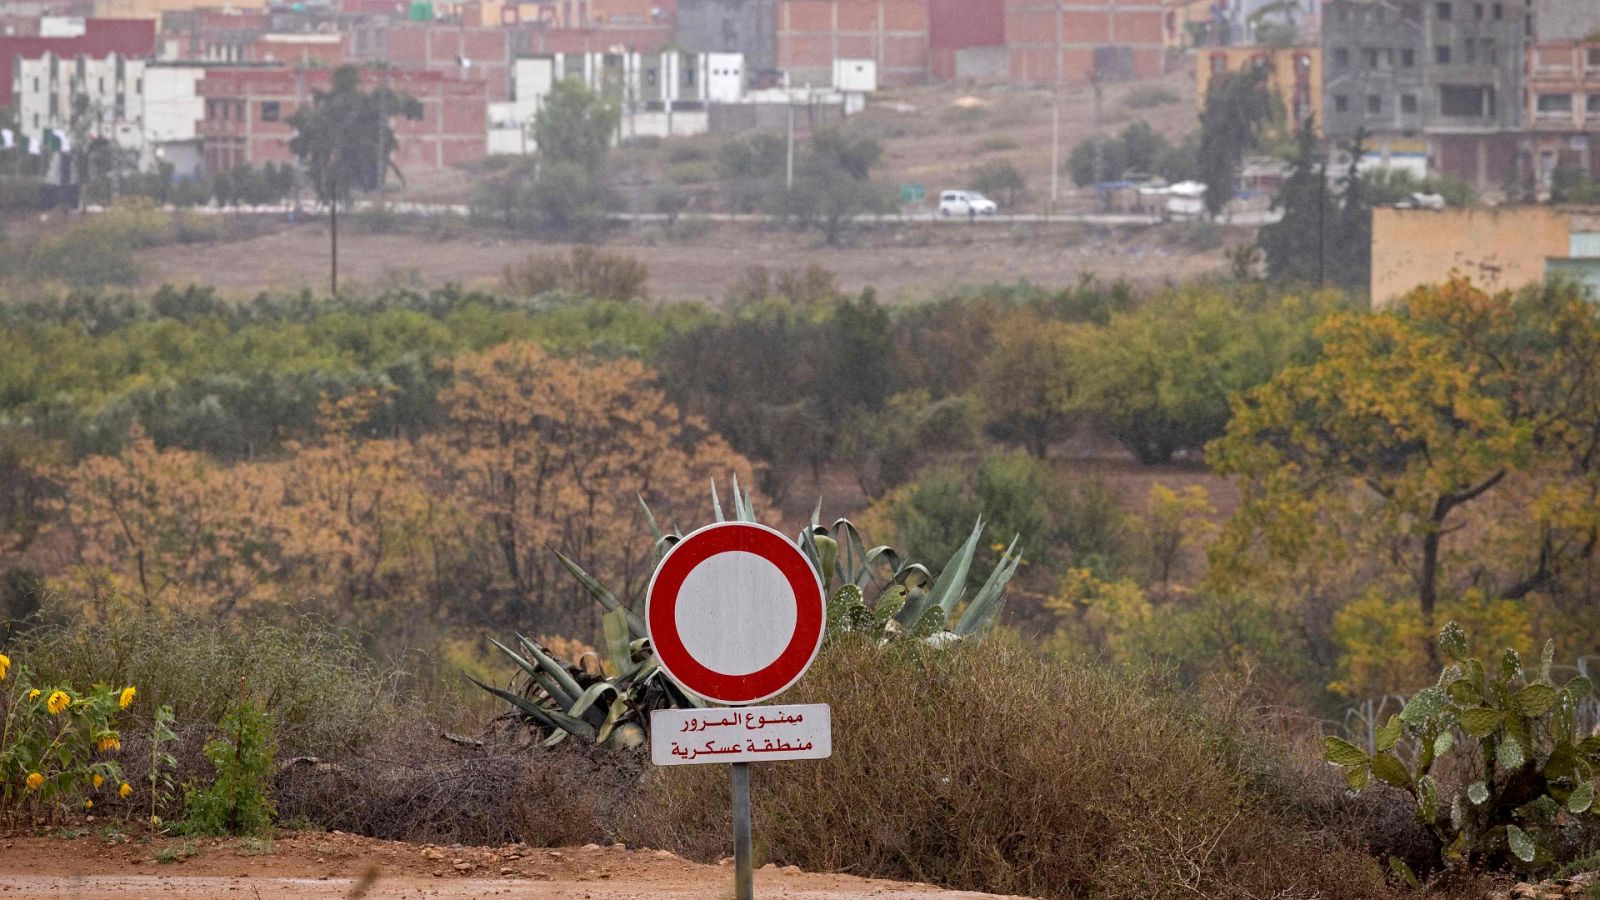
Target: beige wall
(1499, 248)
(151, 9)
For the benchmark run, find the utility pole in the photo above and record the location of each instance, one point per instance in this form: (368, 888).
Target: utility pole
(1055, 119)
(1099, 139)
(788, 162)
(1322, 242)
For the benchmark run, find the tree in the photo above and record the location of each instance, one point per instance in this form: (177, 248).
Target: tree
(1239, 108)
(346, 144)
(833, 183)
(568, 200)
(1459, 417)
(1325, 234)
(1000, 179)
(576, 126)
(1030, 382)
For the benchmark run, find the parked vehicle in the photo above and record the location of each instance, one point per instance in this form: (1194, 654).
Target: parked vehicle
(966, 203)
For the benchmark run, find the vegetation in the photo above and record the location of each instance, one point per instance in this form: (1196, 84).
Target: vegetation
(1325, 235)
(1530, 804)
(1239, 111)
(1139, 149)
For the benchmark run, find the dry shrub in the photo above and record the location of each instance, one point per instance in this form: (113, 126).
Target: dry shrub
(987, 767)
(427, 789)
(584, 272)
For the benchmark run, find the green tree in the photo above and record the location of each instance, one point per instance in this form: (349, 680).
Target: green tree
(833, 183)
(576, 126)
(1239, 109)
(345, 142)
(1325, 235)
(1000, 179)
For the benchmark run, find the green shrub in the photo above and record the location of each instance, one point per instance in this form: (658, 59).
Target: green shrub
(697, 171)
(236, 801)
(985, 767)
(1149, 96)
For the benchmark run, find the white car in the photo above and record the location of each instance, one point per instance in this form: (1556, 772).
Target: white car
(966, 203)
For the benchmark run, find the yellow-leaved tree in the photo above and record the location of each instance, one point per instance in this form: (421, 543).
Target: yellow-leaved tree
(1421, 440)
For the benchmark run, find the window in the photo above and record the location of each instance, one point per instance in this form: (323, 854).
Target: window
(1369, 57)
(1408, 57)
(1593, 55)
(1341, 103)
(100, 84)
(1341, 57)
(1469, 54)
(1499, 11)
(1592, 105)
(1411, 11)
(270, 111)
(1374, 104)
(1441, 54)
(138, 85)
(1477, 12)
(688, 78)
(1219, 63)
(1554, 103)
(1441, 11)
(1491, 52)
(1408, 104)
(1472, 100)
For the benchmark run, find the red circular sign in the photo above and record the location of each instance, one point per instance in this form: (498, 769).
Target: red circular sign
(735, 613)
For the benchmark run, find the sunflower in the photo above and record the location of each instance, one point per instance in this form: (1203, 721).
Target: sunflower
(88, 804)
(33, 694)
(98, 779)
(5, 666)
(125, 790)
(125, 699)
(58, 701)
(35, 781)
(108, 743)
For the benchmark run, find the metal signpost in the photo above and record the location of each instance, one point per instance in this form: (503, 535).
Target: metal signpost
(735, 613)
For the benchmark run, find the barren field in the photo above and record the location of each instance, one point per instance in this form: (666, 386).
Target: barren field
(898, 261)
(308, 865)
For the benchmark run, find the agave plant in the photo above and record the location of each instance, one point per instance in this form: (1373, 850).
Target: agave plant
(559, 699)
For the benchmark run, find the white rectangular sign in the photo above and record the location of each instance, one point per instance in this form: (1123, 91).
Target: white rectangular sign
(692, 737)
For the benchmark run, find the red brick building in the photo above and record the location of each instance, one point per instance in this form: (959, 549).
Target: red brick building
(1563, 107)
(135, 38)
(814, 33)
(432, 47)
(1074, 40)
(958, 25)
(247, 112)
(541, 38)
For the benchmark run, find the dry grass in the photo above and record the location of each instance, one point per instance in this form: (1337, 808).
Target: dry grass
(987, 767)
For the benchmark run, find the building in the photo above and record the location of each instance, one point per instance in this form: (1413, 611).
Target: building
(747, 27)
(1226, 23)
(325, 49)
(246, 112)
(1076, 41)
(83, 95)
(1450, 71)
(91, 38)
(212, 35)
(459, 53)
(891, 33)
(1500, 248)
(1294, 75)
(967, 40)
(1564, 20)
(1563, 109)
(173, 109)
(154, 9)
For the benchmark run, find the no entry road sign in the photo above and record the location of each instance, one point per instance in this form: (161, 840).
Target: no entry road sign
(689, 737)
(735, 613)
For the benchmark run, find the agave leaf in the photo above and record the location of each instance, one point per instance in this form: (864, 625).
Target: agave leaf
(716, 503)
(601, 594)
(542, 678)
(918, 602)
(952, 583)
(650, 520)
(531, 709)
(1403, 872)
(853, 552)
(614, 624)
(586, 703)
(828, 556)
(556, 670)
(986, 604)
(744, 503)
(618, 709)
(816, 513)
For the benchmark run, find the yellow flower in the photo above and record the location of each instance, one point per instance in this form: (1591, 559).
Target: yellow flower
(98, 779)
(125, 700)
(35, 781)
(33, 694)
(108, 744)
(125, 790)
(5, 666)
(88, 804)
(58, 701)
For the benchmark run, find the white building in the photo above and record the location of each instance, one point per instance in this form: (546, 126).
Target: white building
(661, 94)
(95, 98)
(172, 109)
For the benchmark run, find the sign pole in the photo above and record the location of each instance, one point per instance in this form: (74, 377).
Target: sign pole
(743, 865)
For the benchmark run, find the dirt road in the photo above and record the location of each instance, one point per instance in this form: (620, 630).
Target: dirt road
(307, 865)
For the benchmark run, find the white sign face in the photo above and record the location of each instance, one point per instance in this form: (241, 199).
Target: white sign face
(691, 737)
